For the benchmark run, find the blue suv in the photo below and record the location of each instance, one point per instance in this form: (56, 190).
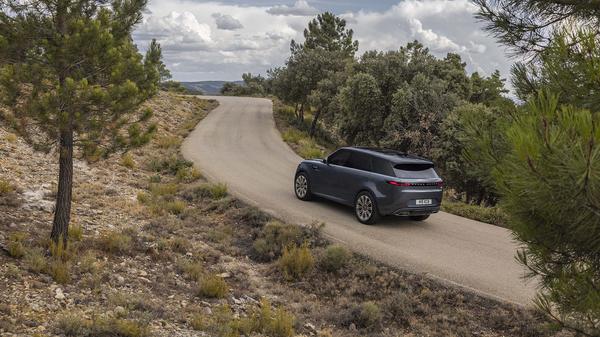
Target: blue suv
(376, 182)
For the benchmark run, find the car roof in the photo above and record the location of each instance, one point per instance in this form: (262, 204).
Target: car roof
(394, 156)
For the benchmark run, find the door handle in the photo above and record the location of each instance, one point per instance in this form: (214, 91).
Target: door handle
(315, 167)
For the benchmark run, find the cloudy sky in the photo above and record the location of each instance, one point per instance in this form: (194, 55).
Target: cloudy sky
(220, 40)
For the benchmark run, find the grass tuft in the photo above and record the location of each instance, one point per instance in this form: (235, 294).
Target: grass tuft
(16, 247)
(296, 262)
(212, 286)
(335, 258)
(127, 160)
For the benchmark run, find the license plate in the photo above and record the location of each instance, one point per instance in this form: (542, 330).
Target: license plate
(423, 202)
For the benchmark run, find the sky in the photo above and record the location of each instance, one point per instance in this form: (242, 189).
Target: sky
(220, 40)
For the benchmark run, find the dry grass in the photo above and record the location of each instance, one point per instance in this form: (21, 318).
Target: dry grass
(212, 286)
(296, 262)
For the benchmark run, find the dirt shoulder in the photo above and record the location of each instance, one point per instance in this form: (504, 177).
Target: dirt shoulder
(158, 251)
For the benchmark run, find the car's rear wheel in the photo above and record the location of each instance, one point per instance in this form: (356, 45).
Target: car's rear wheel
(365, 208)
(302, 187)
(419, 217)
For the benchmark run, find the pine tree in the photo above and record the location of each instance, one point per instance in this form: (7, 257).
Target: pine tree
(550, 186)
(154, 57)
(72, 78)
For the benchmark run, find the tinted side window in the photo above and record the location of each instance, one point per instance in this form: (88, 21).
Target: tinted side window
(339, 158)
(360, 161)
(382, 166)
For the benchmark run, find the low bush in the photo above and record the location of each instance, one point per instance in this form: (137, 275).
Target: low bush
(204, 191)
(335, 258)
(188, 175)
(16, 247)
(10, 137)
(169, 165)
(491, 215)
(127, 160)
(174, 207)
(293, 136)
(76, 325)
(364, 316)
(166, 141)
(59, 270)
(212, 286)
(309, 150)
(116, 242)
(250, 216)
(5, 187)
(192, 270)
(75, 232)
(35, 260)
(295, 262)
(273, 237)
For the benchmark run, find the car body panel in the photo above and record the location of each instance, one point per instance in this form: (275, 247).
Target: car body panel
(342, 184)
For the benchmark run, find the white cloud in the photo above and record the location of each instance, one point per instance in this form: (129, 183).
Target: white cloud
(227, 22)
(196, 45)
(300, 8)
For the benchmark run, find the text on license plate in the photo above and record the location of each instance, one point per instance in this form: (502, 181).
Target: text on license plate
(422, 202)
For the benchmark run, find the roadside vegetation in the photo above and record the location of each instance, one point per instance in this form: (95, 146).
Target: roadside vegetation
(530, 167)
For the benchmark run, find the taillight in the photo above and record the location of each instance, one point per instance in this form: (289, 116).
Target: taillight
(440, 184)
(399, 183)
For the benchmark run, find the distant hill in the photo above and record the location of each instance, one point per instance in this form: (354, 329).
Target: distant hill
(207, 87)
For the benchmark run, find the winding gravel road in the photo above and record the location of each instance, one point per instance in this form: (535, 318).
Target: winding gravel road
(238, 144)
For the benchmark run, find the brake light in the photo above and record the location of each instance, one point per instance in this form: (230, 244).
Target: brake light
(399, 183)
(440, 184)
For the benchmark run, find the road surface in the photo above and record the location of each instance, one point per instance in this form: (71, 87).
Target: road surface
(238, 144)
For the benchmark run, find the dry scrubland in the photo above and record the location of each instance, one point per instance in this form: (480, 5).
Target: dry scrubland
(157, 251)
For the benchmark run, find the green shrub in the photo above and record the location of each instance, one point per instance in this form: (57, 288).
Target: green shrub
(10, 137)
(127, 160)
(75, 232)
(491, 215)
(191, 270)
(116, 242)
(367, 315)
(188, 174)
(212, 286)
(334, 258)
(174, 207)
(73, 325)
(163, 190)
(273, 237)
(5, 187)
(144, 198)
(293, 136)
(250, 216)
(35, 260)
(116, 327)
(169, 165)
(166, 141)
(309, 150)
(89, 263)
(212, 191)
(282, 324)
(179, 245)
(16, 246)
(296, 262)
(59, 270)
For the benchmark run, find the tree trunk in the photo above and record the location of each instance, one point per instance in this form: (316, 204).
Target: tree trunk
(62, 211)
(301, 115)
(296, 111)
(313, 125)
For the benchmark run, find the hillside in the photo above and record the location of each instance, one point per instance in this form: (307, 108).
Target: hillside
(207, 87)
(158, 251)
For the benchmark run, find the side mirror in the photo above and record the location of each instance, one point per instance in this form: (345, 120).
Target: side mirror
(325, 161)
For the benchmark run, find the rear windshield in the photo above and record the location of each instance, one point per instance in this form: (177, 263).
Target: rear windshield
(416, 171)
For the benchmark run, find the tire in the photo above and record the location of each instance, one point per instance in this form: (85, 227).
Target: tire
(419, 217)
(365, 208)
(302, 187)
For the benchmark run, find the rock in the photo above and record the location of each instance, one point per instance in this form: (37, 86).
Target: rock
(207, 310)
(352, 327)
(59, 294)
(120, 279)
(143, 273)
(311, 328)
(224, 275)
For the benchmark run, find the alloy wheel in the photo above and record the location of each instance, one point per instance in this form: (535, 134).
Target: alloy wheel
(364, 207)
(301, 186)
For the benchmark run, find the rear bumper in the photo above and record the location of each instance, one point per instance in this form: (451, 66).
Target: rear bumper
(404, 202)
(416, 211)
